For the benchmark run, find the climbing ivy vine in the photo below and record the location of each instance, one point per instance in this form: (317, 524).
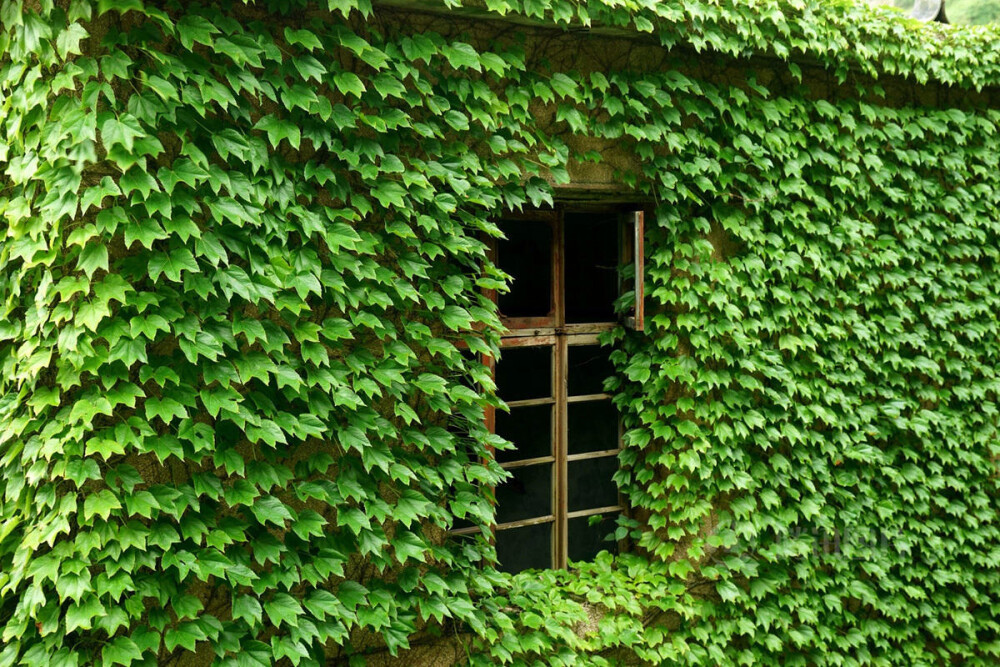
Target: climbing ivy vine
(243, 264)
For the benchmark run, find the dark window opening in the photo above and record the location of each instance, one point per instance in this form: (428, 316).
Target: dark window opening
(526, 373)
(591, 267)
(529, 428)
(526, 254)
(527, 547)
(592, 426)
(588, 536)
(568, 271)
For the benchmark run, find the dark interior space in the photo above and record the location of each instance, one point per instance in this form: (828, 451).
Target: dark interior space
(530, 429)
(526, 254)
(591, 426)
(591, 267)
(586, 541)
(524, 372)
(526, 495)
(590, 484)
(523, 548)
(588, 366)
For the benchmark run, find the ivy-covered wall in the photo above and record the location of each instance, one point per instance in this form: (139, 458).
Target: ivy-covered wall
(244, 245)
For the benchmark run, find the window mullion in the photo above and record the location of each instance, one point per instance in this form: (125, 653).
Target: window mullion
(561, 501)
(561, 450)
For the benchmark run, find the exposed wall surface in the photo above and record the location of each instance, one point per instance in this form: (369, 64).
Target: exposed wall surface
(243, 247)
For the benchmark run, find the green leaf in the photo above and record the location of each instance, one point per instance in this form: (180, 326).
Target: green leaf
(461, 55)
(121, 651)
(268, 509)
(456, 318)
(308, 523)
(352, 594)
(186, 606)
(186, 635)
(94, 256)
(193, 28)
(68, 41)
(309, 68)
(166, 408)
(348, 83)
(248, 608)
(172, 264)
(100, 504)
(727, 591)
(563, 85)
(81, 615)
(278, 129)
(283, 609)
(304, 38)
(322, 603)
(354, 519)
(121, 130)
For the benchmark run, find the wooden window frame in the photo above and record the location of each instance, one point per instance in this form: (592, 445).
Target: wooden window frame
(552, 331)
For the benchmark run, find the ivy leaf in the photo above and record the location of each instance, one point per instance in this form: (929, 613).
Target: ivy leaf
(171, 264)
(309, 523)
(121, 130)
(283, 609)
(456, 318)
(186, 606)
(309, 68)
(68, 41)
(408, 546)
(94, 256)
(81, 615)
(166, 408)
(461, 55)
(268, 509)
(351, 594)
(304, 38)
(322, 603)
(100, 504)
(90, 314)
(121, 651)
(389, 193)
(354, 519)
(278, 129)
(458, 120)
(563, 85)
(186, 635)
(348, 83)
(248, 608)
(255, 654)
(193, 28)
(727, 591)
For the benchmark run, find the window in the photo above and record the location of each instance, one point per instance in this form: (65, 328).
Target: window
(569, 269)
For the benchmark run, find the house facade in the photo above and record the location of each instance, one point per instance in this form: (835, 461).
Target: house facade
(522, 333)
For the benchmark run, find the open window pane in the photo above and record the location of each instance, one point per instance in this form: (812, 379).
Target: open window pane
(529, 428)
(526, 495)
(591, 267)
(529, 547)
(526, 254)
(633, 257)
(590, 484)
(586, 541)
(524, 372)
(592, 426)
(589, 366)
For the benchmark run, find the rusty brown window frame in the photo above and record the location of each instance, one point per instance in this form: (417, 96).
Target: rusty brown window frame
(553, 332)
